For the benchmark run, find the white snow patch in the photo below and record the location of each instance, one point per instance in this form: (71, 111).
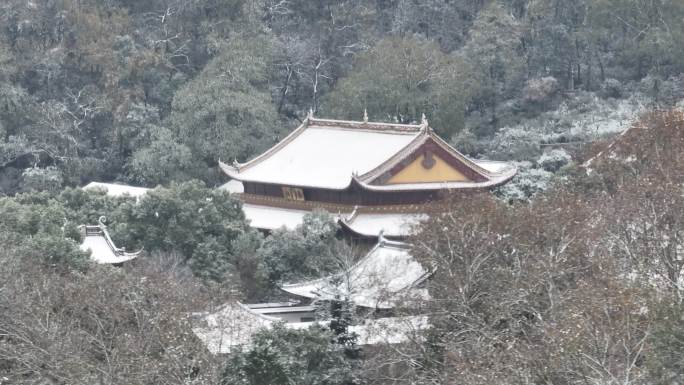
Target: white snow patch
(326, 157)
(234, 325)
(117, 190)
(385, 276)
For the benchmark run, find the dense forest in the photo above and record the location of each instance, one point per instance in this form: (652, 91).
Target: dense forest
(569, 275)
(148, 92)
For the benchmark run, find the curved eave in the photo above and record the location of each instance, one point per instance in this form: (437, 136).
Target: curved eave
(256, 314)
(309, 289)
(347, 223)
(127, 257)
(350, 229)
(234, 173)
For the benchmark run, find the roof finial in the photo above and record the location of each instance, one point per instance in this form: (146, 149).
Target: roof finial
(423, 120)
(365, 115)
(236, 165)
(381, 237)
(101, 220)
(310, 116)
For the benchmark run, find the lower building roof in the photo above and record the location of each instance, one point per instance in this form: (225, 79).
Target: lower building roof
(97, 241)
(272, 218)
(114, 189)
(383, 278)
(370, 224)
(233, 326)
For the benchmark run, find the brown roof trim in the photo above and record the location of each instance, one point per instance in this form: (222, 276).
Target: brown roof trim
(409, 153)
(499, 180)
(330, 207)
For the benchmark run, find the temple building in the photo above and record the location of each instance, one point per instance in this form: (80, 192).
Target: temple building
(97, 241)
(385, 279)
(373, 176)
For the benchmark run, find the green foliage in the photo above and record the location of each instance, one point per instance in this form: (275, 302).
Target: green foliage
(250, 269)
(285, 356)
(42, 179)
(35, 227)
(164, 160)
(399, 80)
(492, 52)
(308, 251)
(226, 111)
(666, 356)
(198, 223)
(182, 217)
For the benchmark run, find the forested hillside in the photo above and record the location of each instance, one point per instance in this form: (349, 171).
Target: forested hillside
(153, 91)
(570, 274)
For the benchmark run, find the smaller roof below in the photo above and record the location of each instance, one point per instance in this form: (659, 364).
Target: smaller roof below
(117, 190)
(272, 218)
(494, 166)
(234, 325)
(381, 279)
(102, 250)
(233, 187)
(393, 225)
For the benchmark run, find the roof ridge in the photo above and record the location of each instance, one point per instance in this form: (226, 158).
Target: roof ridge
(374, 126)
(266, 154)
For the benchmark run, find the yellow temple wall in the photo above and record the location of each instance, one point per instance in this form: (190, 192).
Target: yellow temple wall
(415, 172)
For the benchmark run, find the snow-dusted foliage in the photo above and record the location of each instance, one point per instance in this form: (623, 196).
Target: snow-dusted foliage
(518, 143)
(40, 179)
(540, 90)
(578, 121)
(554, 159)
(528, 182)
(319, 223)
(612, 88)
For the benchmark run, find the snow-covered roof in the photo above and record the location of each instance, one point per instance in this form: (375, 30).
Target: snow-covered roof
(492, 166)
(325, 156)
(102, 249)
(234, 325)
(234, 187)
(333, 154)
(271, 218)
(382, 278)
(117, 190)
(370, 224)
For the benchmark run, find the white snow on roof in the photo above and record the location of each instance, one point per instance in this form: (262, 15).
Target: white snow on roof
(234, 187)
(283, 309)
(231, 326)
(393, 225)
(326, 157)
(102, 251)
(383, 277)
(117, 190)
(492, 166)
(271, 218)
(234, 325)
